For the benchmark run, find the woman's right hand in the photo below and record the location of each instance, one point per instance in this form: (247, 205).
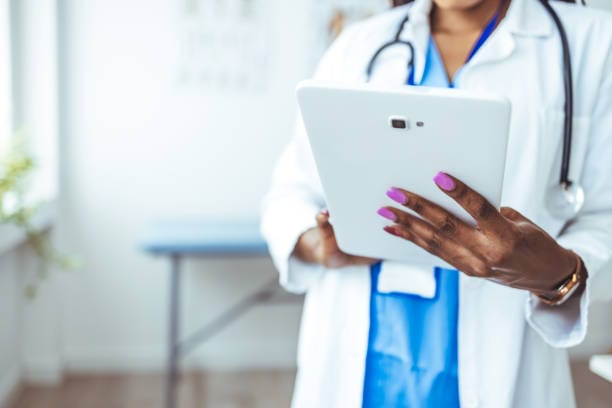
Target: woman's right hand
(318, 245)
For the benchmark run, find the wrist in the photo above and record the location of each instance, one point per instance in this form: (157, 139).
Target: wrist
(573, 262)
(572, 284)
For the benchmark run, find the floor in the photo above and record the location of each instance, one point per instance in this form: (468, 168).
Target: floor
(592, 391)
(254, 389)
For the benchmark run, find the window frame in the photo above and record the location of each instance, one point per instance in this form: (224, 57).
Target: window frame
(29, 102)
(35, 96)
(6, 88)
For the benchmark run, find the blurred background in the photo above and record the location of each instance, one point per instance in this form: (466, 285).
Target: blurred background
(136, 111)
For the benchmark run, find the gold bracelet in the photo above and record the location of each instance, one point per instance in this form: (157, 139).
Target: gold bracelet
(567, 288)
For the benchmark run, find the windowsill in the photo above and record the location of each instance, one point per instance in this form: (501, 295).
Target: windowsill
(11, 237)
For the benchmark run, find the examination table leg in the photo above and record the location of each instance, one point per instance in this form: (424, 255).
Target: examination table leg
(173, 332)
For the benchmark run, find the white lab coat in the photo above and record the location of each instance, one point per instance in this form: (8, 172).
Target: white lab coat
(511, 347)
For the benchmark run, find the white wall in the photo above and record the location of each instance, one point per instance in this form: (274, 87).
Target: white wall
(136, 146)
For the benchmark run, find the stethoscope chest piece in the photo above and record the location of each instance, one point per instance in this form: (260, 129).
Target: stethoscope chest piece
(565, 200)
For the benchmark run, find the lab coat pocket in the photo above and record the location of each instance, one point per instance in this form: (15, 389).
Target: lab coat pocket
(551, 148)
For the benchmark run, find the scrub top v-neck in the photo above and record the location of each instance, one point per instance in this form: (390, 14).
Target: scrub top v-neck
(412, 357)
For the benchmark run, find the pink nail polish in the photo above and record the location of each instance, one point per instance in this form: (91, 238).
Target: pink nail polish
(396, 195)
(444, 181)
(391, 230)
(387, 213)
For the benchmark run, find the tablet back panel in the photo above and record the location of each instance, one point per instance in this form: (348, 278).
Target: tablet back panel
(359, 154)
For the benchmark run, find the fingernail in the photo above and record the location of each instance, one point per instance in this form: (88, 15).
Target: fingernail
(387, 213)
(396, 195)
(444, 181)
(391, 230)
(324, 212)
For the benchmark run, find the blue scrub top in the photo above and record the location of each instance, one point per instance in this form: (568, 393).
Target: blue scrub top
(412, 350)
(412, 359)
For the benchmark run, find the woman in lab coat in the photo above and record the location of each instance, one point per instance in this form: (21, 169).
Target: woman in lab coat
(489, 337)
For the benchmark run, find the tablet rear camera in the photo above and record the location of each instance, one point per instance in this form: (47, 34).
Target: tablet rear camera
(398, 123)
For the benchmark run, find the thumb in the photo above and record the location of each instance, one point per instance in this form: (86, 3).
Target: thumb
(323, 223)
(322, 219)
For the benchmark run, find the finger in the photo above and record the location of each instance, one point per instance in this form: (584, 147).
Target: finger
(513, 215)
(447, 223)
(425, 235)
(448, 250)
(484, 213)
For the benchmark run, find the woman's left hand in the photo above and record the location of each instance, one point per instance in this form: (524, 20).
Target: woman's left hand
(504, 246)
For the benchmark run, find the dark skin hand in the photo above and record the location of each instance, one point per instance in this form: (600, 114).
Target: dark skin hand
(318, 245)
(504, 246)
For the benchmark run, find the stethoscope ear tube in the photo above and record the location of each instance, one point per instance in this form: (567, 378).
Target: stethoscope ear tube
(409, 64)
(396, 40)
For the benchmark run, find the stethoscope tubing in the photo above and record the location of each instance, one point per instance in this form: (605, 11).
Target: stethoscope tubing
(394, 41)
(568, 125)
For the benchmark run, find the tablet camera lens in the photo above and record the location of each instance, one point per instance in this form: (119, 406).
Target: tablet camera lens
(398, 123)
(420, 124)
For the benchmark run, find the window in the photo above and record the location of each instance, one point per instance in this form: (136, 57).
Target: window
(28, 100)
(5, 78)
(33, 44)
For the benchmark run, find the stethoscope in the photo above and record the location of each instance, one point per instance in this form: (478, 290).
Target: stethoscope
(565, 199)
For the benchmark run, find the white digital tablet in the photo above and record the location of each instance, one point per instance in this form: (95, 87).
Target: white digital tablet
(367, 139)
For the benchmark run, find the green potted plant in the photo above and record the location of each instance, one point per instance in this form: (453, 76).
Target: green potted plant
(16, 168)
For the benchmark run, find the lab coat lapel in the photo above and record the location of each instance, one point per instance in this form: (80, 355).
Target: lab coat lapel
(527, 18)
(498, 47)
(523, 18)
